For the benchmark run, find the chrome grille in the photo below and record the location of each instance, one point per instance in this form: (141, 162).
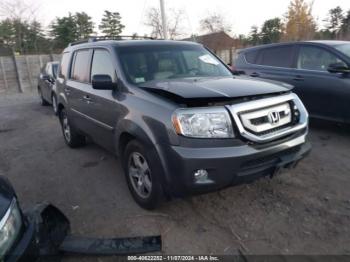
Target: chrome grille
(268, 119)
(264, 119)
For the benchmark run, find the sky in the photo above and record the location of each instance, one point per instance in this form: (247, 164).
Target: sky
(241, 14)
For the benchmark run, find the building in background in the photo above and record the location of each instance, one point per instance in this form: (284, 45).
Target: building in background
(220, 43)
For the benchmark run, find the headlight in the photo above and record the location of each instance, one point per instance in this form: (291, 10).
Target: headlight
(213, 122)
(10, 226)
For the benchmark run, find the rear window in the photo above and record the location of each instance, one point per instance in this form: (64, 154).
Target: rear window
(277, 56)
(80, 66)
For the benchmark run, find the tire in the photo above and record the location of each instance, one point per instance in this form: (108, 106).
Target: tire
(142, 176)
(72, 138)
(43, 102)
(54, 104)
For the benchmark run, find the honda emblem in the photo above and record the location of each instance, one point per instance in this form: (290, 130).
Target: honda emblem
(274, 117)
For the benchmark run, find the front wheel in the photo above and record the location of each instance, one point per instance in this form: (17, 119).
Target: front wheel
(143, 179)
(72, 138)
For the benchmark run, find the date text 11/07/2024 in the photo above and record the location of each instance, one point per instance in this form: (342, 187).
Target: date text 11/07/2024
(174, 258)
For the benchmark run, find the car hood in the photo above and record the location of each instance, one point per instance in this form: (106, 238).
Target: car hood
(6, 195)
(222, 87)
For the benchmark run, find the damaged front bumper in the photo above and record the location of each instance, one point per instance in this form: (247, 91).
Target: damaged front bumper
(46, 230)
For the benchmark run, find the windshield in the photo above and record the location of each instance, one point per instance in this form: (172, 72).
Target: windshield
(345, 49)
(148, 63)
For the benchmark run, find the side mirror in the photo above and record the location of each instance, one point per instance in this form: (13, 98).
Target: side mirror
(102, 82)
(338, 68)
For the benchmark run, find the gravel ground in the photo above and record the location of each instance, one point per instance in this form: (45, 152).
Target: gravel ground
(303, 211)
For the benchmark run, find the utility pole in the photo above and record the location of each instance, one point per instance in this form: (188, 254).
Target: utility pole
(162, 11)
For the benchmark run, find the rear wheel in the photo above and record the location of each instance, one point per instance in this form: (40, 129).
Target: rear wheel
(72, 138)
(143, 179)
(43, 102)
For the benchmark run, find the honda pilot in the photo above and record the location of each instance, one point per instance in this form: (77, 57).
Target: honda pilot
(179, 120)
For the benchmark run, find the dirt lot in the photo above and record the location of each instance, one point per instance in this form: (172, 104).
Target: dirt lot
(304, 211)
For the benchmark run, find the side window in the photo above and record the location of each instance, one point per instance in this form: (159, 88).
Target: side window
(280, 56)
(315, 58)
(80, 66)
(102, 64)
(251, 56)
(64, 65)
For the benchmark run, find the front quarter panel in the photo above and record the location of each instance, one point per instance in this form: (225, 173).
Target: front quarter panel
(149, 120)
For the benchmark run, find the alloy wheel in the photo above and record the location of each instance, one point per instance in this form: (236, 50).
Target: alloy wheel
(140, 175)
(66, 128)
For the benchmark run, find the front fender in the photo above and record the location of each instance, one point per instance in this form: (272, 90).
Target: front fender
(148, 139)
(129, 127)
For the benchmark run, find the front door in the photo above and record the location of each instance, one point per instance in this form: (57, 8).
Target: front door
(103, 107)
(324, 94)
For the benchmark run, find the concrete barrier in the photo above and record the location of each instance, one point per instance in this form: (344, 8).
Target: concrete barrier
(20, 73)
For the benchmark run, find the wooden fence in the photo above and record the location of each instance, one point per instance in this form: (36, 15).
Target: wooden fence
(20, 73)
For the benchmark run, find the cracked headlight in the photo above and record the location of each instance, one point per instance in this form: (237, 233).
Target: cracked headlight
(210, 122)
(10, 226)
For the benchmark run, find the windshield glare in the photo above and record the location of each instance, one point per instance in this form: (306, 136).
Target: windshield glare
(144, 64)
(345, 49)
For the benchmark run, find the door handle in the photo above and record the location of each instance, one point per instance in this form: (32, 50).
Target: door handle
(298, 78)
(87, 99)
(255, 74)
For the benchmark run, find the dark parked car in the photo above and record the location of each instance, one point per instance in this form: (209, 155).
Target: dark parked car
(46, 85)
(26, 236)
(319, 71)
(42, 234)
(177, 117)
(15, 233)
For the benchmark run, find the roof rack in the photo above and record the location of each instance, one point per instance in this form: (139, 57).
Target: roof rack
(104, 38)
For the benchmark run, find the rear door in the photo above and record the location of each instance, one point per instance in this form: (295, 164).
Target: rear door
(77, 87)
(323, 93)
(275, 63)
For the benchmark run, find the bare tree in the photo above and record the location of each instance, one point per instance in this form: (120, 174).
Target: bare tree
(215, 22)
(174, 23)
(20, 10)
(22, 14)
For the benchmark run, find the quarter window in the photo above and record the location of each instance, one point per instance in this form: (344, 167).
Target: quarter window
(102, 64)
(80, 66)
(276, 56)
(315, 58)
